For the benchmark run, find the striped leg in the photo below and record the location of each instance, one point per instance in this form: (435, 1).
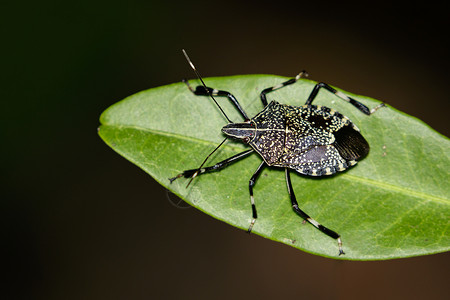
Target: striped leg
(202, 91)
(251, 184)
(279, 86)
(302, 214)
(344, 97)
(194, 172)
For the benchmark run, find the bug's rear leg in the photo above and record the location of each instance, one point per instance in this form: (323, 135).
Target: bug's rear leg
(281, 85)
(200, 90)
(251, 184)
(343, 96)
(195, 172)
(302, 214)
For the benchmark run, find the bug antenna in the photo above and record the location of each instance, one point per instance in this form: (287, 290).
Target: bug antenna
(204, 85)
(199, 170)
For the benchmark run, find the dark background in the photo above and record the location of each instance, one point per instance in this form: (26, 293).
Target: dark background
(81, 222)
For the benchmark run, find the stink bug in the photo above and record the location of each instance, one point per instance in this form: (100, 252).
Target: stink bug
(312, 140)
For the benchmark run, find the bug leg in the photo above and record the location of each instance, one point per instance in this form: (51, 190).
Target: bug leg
(343, 96)
(202, 91)
(302, 214)
(251, 184)
(263, 94)
(194, 172)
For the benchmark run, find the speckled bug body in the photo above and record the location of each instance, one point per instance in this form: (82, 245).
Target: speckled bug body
(312, 140)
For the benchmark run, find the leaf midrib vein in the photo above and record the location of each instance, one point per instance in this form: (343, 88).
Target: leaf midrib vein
(347, 176)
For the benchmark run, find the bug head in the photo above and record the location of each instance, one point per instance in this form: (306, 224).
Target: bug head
(241, 131)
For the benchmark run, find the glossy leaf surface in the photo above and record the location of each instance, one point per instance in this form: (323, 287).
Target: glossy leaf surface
(392, 204)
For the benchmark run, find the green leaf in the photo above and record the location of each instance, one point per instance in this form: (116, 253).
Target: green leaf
(392, 204)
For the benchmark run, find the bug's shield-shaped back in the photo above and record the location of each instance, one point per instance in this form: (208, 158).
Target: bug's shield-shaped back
(313, 140)
(270, 136)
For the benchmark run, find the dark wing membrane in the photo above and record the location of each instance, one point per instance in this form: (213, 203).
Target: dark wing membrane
(350, 143)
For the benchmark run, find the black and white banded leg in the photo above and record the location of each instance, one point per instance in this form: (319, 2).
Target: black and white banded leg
(263, 94)
(251, 184)
(302, 214)
(343, 96)
(220, 165)
(202, 91)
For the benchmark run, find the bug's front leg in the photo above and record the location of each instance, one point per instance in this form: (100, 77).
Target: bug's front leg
(207, 91)
(195, 172)
(251, 184)
(302, 214)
